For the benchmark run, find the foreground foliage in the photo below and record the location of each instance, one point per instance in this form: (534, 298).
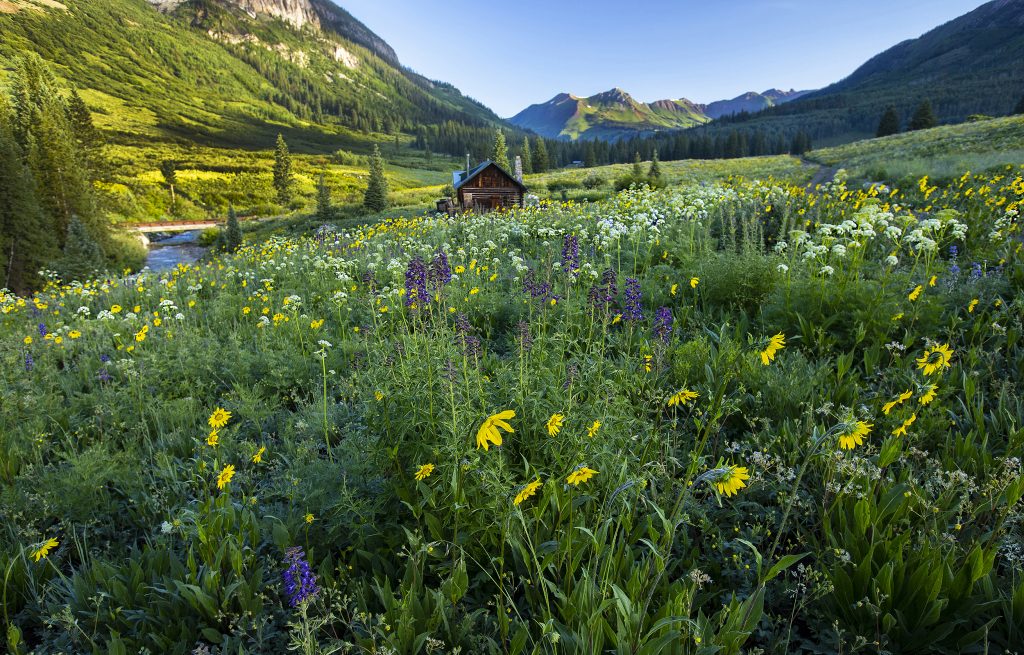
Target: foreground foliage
(741, 415)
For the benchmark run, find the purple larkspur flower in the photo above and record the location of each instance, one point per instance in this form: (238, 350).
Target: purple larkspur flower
(103, 375)
(42, 329)
(299, 580)
(440, 272)
(416, 282)
(537, 290)
(976, 271)
(29, 362)
(634, 312)
(571, 254)
(663, 324)
(104, 358)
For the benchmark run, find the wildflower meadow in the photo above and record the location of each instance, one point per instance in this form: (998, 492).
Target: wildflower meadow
(740, 416)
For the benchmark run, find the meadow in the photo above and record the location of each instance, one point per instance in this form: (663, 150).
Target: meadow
(734, 416)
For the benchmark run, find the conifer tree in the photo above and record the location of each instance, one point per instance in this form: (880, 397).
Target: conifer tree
(1020, 107)
(324, 207)
(376, 197)
(540, 156)
(42, 127)
(233, 231)
(589, 156)
(638, 168)
(26, 242)
(527, 157)
(169, 169)
(83, 258)
(801, 144)
(924, 118)
(90, 141)
(499, 151)
(889, 124)
(654, 173)
(282, 172)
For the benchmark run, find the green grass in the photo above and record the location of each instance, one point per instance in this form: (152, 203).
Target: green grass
(942, 153)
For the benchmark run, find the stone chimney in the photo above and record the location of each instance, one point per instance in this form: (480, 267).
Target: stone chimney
(519, 169)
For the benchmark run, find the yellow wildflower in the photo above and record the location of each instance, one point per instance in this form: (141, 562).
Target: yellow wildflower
(928, 395)
(580, 475)
(694, 281)
(527, 491)
(224, 477)
(972, 306)
(730, 482)
(554, 424)
(258, 457)
(490, 429)
(594, 427)
(899, 400)
(74, 334)
(682, 397)
(27, 341)
(219, 418)
(915, 294)
(424, 471)
(674, 288)
(935, 359)
(317, 324)
(775, 344)
(44, 549)
(855, 437)
(309, 518)
(902, 430)
(213, 439)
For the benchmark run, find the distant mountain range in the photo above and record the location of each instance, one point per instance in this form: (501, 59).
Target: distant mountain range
(615, 114)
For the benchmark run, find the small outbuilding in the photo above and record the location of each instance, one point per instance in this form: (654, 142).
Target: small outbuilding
(487, 187)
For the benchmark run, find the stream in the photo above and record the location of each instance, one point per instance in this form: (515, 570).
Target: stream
(178, 248)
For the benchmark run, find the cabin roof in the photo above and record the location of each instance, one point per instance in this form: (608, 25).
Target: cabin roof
(460, 178)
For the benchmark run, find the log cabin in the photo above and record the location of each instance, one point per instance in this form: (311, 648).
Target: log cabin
(487, 187)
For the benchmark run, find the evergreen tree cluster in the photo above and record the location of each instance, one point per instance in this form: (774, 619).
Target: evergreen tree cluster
(376, 197)
(50, 157)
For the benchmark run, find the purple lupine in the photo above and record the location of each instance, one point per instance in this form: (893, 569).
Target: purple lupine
(634, 312)
(103, 375)
(540, 290)
(416, 282)
(42, 329)
(609, 281)
(440, 272)
(976, 271)
(663, 324)
(571, 254)
(299, 580)
(29, 362)
(104, 358)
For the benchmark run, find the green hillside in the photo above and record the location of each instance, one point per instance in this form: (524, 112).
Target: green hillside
(218, 77)
(942, 152)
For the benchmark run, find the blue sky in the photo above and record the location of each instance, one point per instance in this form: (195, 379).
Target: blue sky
(653, 49)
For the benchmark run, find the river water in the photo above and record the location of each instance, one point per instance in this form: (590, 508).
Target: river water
(180, 248)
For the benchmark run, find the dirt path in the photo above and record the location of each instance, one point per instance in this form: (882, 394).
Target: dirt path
(823, 175)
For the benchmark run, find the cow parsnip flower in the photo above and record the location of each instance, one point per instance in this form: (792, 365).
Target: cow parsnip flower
(527, 491)
(935, 359)
(580, 475)
(732, 480)
(424, 471)
(855, 436)
(554, 424)
(490, 430)
(219, 418)
(44, 549)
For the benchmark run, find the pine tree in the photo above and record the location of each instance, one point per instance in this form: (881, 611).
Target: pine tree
(924, 118)
(26, 242)
(540, 156)
(89, 139)
(589, 155)
(499, 152)
(376, 197)
(638, 168)
(527, 157)
(169, 169)
(83, 258)
(1020, 107)
(233, 231)
(44, 132)
(324, 208)
(282, 172)
(890, 123)
(801, 144)
(654, 173)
